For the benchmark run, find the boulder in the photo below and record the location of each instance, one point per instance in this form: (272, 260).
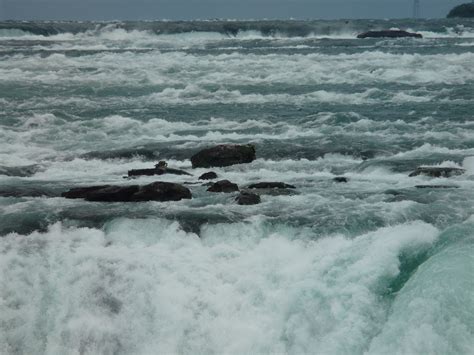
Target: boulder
(340, 179)
(224, 155)
(156, 191)
(389, 34)
(208, 176)
(248, 198)
(437, 172)
(223, 186)
(271, 185)
(463, 10)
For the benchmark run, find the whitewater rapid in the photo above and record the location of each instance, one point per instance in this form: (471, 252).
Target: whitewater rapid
(373, 266)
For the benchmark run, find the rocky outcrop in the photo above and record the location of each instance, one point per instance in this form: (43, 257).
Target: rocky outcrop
(224, 155)
(208, 176)
(464, 10)
(271, 185)
(223, 186)
(248, 198)
(389, 34)
(157, 191)
(437, 172)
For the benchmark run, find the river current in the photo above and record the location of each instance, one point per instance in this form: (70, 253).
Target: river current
(371, 266)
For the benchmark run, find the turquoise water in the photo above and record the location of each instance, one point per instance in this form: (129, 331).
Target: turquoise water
(373, 266)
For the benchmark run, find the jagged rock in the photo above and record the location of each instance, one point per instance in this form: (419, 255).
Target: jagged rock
(208, 176)
(340, 179)
(157, 191)
(271, 185)
(463, 10)
(248, 198)
(437, 171)
(223, 186)
(389, 34)
(224, 155)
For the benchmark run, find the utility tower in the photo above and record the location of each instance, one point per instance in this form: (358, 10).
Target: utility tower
(416, 8)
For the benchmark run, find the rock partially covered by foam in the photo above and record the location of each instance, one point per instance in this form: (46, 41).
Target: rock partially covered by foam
(248, 198)
(224, 155)
(389, 34)
(435, 171)
(156, 191)
(223, 186)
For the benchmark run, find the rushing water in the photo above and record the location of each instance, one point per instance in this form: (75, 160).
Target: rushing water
(372, 266)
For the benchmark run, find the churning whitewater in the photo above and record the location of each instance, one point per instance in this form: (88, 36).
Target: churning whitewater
(377, 261)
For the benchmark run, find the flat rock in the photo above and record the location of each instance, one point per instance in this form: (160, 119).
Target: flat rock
(248, 198)
(156, 191)
(208, 176)
(224, 155)
(271, 185)
(437, 171)
(389, 34)
(156, 171)
(223, 186)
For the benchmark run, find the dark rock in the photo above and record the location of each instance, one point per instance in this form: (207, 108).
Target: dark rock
(248, 198)
(157, 191)
(436, 187)
(389, 34)
(271, 185)
(223, 186)
(340, 179)
(81, 192)
(157, 171)
(464, 10)
(208, 176)
(437, 171)
(224, 155)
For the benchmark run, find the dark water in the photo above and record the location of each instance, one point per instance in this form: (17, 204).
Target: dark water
(372, 266)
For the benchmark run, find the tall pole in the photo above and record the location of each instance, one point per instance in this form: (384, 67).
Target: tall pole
(416, 9)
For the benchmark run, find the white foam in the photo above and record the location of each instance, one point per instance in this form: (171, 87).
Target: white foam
(242, 288)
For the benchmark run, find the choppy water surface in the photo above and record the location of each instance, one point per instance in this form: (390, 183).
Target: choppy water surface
(373, 266)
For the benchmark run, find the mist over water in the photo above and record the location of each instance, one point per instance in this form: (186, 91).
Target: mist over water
(372, 266)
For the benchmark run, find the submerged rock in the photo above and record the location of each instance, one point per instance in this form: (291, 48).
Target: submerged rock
(208, 176)
(223, 186)
(437, 171)
(389, 34)
(271, 185)
(248, 198)
(341, 179)
(20, 171)
(436, 187)
(224, 155)
(157, 191)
